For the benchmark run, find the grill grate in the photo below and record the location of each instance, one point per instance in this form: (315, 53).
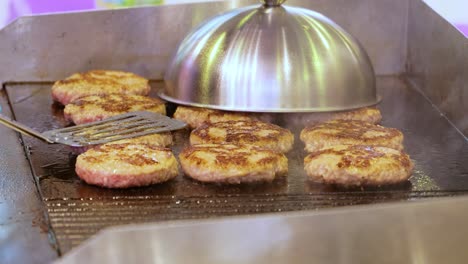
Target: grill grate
(76, 210)
(75, 220)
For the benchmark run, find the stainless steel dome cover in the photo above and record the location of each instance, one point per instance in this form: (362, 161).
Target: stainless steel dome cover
(271, 58)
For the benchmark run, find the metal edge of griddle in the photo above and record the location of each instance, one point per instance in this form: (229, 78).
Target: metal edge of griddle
(428, 60)
(27, 152)
(414, 84)
(31, 245)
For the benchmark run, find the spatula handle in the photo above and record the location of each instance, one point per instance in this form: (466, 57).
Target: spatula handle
(22, 128)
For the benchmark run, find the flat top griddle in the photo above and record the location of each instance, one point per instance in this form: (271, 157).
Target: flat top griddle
(77, 210)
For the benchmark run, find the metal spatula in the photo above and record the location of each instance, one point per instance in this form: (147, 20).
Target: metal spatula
(119, 127)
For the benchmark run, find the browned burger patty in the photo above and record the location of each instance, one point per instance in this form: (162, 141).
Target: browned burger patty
(196, 116)
(98, 82)
(226, 163)
(343, 132)
(366, 114)
(126, 165)
(158, 140)
(358, 165)
(254, 133)
(97, 107)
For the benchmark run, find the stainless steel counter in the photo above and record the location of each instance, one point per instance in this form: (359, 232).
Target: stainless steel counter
(423, 232)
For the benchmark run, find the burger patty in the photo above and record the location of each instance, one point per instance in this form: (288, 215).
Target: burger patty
(254, 133)
(355, 165)
(227, 163)
(196, 116)
(158, 140)
(126, 165)
(98, 82)
(366, 114)
(344, 132)
(98, 107)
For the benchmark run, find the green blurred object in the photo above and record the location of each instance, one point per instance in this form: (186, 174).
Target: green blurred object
(126, 3)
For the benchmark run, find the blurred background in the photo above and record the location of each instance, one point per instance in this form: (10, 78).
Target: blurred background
(11, 9)
(455, 11)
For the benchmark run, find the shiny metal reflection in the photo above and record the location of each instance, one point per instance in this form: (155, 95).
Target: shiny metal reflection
(271, 58)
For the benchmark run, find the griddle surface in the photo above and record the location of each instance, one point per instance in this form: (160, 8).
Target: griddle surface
(77, 210)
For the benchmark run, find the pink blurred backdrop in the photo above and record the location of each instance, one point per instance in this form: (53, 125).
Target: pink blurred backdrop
(455, 11)
(11, 9)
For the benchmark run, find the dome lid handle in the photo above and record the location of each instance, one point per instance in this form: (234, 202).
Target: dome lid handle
(272, 2)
